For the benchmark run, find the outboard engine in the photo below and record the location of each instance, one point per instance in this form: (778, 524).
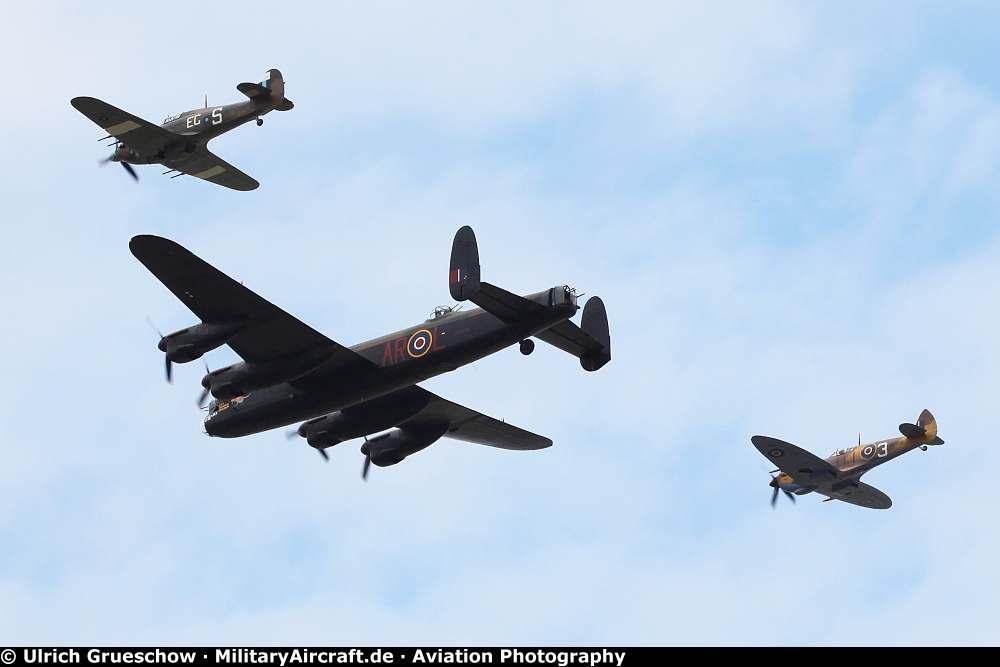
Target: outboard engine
(391, 448)
(189, 344)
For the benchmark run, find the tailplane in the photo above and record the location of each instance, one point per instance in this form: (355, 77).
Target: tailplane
(926, 427)
(273, 86)
(590, 342)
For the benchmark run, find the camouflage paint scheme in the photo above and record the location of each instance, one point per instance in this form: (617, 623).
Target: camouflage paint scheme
(180, 143)
(291, 372)
(838, 476)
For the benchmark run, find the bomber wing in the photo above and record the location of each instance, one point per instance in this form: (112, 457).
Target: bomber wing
(862, 495)
(204, 164)
(802, 466)
(270, 333)
(471, 426)
(134, 132)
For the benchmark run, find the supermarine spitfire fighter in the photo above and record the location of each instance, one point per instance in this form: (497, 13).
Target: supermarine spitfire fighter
(180, 143)
(291, 372)
(838, 477)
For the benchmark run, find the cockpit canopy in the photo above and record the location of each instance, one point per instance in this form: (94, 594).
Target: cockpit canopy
(442, 311)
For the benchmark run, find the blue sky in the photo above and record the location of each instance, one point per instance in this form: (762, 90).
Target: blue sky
(790, 210)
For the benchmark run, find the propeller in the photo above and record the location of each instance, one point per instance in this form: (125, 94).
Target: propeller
(204, 393)
(130, 170)
(294, 433)
(774, 496)
(149, 321)
(366, 450)
(125, 165)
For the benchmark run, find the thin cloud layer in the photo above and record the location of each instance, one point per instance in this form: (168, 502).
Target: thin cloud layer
(790, 212)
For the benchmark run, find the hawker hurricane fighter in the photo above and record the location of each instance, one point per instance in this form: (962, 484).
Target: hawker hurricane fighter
(838, 477)
(291, 372)
(180, 143)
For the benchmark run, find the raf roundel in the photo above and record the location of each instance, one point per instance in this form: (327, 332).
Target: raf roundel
(868, 452)
(776, 453)
(419, 343)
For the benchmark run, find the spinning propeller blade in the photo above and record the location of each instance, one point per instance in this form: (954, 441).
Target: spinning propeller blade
(149, 321)
(130, 170)
(206, 390)
(774, 496)
(366, 450)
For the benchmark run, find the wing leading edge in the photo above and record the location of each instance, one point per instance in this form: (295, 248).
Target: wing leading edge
(132, 131)
(805, 468)
(270, 332)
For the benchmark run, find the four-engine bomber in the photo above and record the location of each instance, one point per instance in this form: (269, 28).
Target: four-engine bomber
(290, 372)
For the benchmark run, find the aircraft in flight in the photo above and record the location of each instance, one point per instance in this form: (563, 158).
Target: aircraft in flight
(291, 372)
(838, 477)
(180, 143)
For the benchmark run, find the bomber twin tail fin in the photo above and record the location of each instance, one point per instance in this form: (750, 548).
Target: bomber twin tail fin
(590, 342)
(463, 272)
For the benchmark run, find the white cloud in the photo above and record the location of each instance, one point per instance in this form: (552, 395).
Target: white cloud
(773, 261)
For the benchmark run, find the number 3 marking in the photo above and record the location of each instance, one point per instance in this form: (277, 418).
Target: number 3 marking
(882, 449)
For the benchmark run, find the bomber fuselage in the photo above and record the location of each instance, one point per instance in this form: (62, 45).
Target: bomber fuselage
(402, 359)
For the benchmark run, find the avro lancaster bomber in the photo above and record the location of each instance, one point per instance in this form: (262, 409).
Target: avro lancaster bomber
(180, 143)
(839, 476)
(291, 372)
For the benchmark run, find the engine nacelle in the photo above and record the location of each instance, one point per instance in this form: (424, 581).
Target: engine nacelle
(394, 446)
(243, 377)
(191, 343)
(363, 419)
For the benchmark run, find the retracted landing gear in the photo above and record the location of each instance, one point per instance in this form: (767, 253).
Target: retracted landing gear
(260, 121)
(527, 346)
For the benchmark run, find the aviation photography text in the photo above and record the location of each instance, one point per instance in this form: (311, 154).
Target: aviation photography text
(315, 656)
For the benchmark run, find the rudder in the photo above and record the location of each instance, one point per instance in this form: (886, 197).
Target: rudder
(463, 272)
(594, 323)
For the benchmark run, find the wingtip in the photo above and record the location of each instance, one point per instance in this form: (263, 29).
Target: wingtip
(145, 246)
